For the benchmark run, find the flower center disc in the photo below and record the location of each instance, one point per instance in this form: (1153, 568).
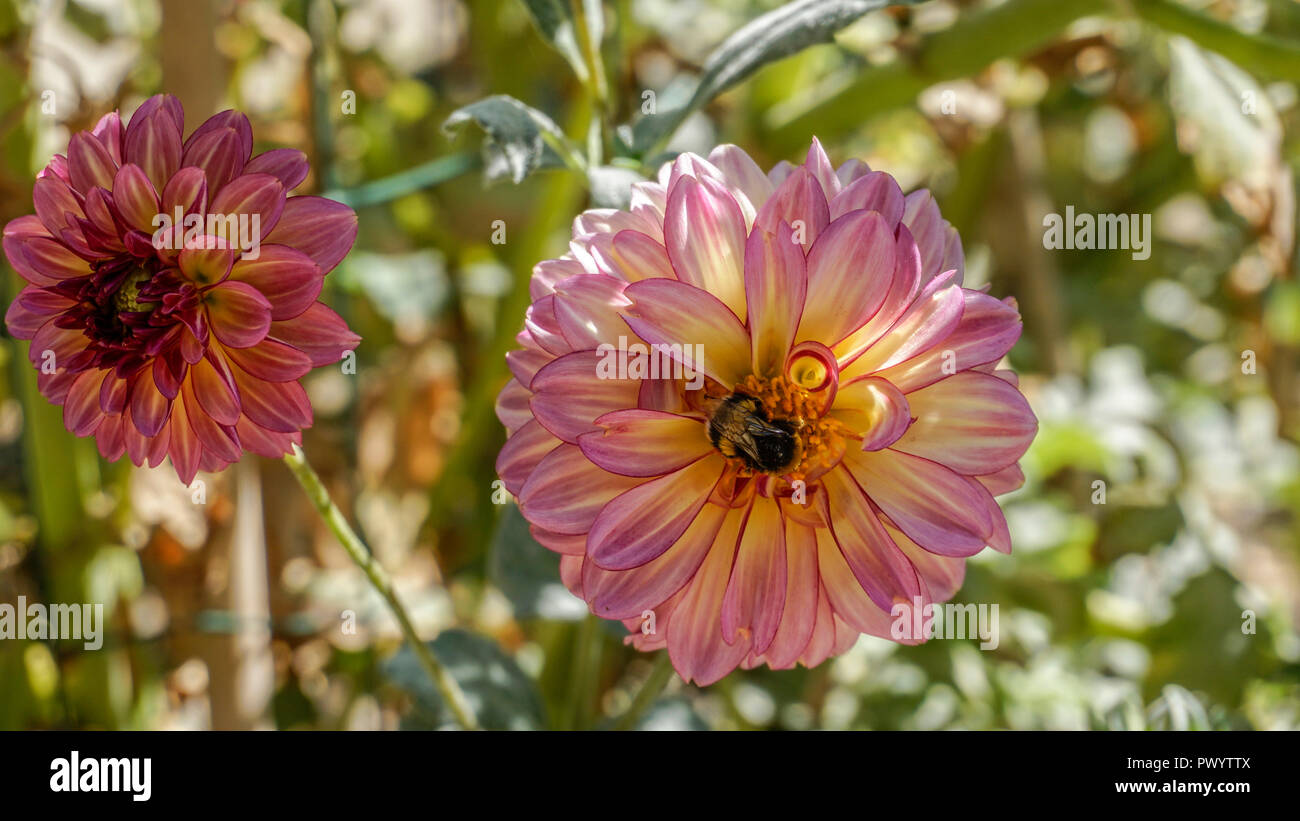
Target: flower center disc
(821, 437)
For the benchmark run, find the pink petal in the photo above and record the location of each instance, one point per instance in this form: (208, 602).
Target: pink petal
(512, 406)
(81, 412)
(288, 278)
(645, 442)
(150, 410)
(280, 407)
(927, 324)
(876, 562)
(799, 616)
(934, 506)
(568, 396)
(587, 310)
(987, 330)
(213, 386)
(643, 522)
(755, 597)
(638, 256)
(741, 171)
(565, 492)
(253, 194)
(666, 312)
(240, 316)
(819, 165)
(873, 409)
(318, 332)
(800, 202)
(704, 233)
(288, 165)
(153, 142)
(695, 641)
(322, 229)
(521, 454)
(973, 423)
(775, 284)
(218, 152)
(624, 594)
(845, 595)
(89, 163)
(850, 270)
(876, 191)
(135, 198)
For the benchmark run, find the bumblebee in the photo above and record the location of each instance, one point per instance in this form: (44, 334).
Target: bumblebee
(739, 426)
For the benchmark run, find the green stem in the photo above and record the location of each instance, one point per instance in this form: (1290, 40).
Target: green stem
(338, 525)
(405, 182)
(654, 685)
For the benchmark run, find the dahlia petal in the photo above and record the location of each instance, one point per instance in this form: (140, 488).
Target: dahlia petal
(288, 165)
(521, 454)
(321, 228)
(819, 165)
(971, 422)
(755, 597)
(113, 393)
(876, 191)
(213, 387)
(81, 412)
(740, 170)
(921, 216)
(1000, 537)
(150, 410)
(216, 438)
(625, 594)
(704, 234)
(253, 194)
(22, 321)
(644, 442)
(879, 566)
(846, 596)
(525, 363)
(1003, 481)
(239, 315)
(927, 324)
(187, 189)
(695, 643)
(873, 409)
(512, 406)
(217, 152)
(934, 506)
(280, 407)
(643, 522)
(168, 375)
(153, 142)
(568, 395)
(987, 330)
(799, 615)
(257, 439)
(940, 575)
(109, 132)
(567, 545)
(206, 260)
(50, 261)
(850, 270)
(135, 198)
(108, 438)
(903, 288)
(679, 315)
(228, 120)
(565, 492)
(184, 446)
(775, 284)
(822, 644)
(89, 163)
(288, 278)
(851, 170)
(587, 310)
(61, 343)
(638, 256)
(800, 202)
(548, 272)
(57, 207)
(318, 332)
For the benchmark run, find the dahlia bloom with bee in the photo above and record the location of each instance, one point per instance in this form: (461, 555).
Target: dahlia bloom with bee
(840, 454)
(161, 329)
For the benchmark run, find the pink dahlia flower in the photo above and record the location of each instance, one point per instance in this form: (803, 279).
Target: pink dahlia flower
(838, 455)
(171, 297)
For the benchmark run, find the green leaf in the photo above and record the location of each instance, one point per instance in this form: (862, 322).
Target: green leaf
(529, 574)
(501, 695)
(520, 139)
(554, 19)
(611, 186)
(766, 39)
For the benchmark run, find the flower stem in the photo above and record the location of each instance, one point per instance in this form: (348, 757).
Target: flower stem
(654, 685)
(338, 525)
